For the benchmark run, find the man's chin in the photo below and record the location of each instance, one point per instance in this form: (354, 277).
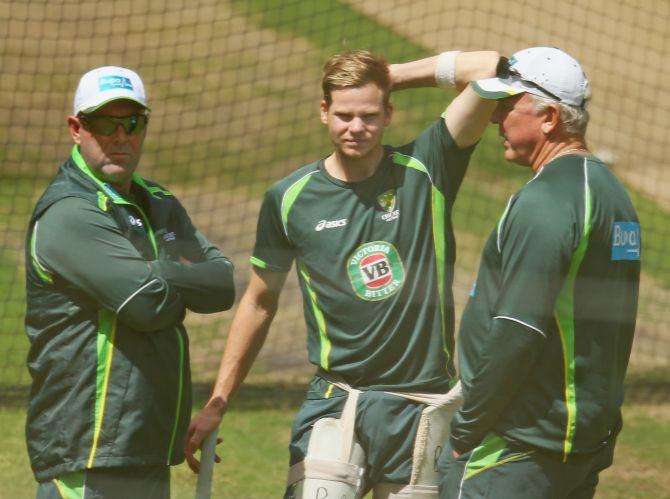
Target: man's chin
(355, 152)
(512, 157)
(118, 173)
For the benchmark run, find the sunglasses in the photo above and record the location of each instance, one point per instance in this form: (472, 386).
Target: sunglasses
(504, 70)
(546, 92)
(107, 125)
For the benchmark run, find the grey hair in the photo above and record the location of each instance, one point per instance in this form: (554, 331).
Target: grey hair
(574, 119)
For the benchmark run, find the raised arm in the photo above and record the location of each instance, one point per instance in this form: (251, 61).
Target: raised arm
(247, 334)
(468, 114)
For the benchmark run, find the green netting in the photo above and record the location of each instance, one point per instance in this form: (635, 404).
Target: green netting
(234, 88)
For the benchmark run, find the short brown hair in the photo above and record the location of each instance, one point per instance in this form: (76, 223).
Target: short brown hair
(355, 69)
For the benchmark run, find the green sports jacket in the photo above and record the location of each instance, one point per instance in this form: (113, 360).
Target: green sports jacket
(547, 332)
(109, 279)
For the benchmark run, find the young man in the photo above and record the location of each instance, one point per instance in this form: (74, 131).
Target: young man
(113, 262)
(547, 332)
(370, 230)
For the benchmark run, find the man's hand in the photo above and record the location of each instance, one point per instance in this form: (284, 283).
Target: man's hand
(204, 423)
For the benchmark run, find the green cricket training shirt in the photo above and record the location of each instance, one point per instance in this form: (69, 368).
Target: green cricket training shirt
(374, 261)
(547, 332)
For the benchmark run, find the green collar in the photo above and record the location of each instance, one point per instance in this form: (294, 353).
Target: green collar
(111, 192)
(115, 196)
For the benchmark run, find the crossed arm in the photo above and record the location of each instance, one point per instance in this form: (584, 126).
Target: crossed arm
(78, 242)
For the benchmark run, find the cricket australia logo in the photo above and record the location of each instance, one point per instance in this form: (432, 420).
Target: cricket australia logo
(387, 201)
(375, 271)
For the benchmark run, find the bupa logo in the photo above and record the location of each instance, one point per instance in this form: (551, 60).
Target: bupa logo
(113, 82)
(626, 241)
(375, 271)
(330, 224)
(135, 221)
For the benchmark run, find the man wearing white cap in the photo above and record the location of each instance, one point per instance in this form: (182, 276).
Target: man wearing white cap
(546, 335)
(112, 264)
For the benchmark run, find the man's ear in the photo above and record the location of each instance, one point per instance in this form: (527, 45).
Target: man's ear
(74, 125)
(323, 107)
(551, 121)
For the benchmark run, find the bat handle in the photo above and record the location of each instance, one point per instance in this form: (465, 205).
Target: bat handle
(203, 488)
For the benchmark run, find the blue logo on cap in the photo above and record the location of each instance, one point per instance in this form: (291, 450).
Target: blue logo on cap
(626, 241)
(114, 82)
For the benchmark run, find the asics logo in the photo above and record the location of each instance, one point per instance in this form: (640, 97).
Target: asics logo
(135, 221)
(330, 224)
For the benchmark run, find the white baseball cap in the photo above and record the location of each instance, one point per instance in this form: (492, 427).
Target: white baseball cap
(544, 71)
(102, 85)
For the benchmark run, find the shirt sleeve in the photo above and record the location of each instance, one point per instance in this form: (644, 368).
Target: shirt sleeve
(77, 242)
(536, 242)
(444, 160)
(205, 279)
(509, 355)
(273, 250)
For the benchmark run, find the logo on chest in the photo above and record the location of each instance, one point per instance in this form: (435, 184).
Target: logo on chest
(136, 222)
(375, 270)
(330, 224)
(387, 202)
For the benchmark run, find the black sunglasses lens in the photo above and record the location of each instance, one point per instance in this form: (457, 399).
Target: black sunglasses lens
(107, 125)
(134, 124)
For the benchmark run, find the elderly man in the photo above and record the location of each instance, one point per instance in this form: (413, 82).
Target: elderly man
(547, 332)
(113, 262)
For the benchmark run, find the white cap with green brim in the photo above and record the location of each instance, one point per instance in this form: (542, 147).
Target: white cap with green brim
(543, 71)
(108, 83)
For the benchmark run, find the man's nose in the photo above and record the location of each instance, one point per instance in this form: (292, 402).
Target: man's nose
(120, 134)
(356, 125)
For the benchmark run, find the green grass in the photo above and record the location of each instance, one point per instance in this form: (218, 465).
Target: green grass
(13, 342)
(330, 25)
(642, 456)
(256, 432)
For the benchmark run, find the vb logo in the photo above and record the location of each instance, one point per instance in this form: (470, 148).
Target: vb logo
(375, 271)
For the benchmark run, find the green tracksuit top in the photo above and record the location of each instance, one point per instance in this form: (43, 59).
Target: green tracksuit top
(547, 332)
(109, 279)
(375, 262)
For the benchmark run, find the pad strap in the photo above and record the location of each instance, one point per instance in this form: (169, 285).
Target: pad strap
(453, 397)
(341, 470)
(348, 419)
(325, 469)
(388, 490)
